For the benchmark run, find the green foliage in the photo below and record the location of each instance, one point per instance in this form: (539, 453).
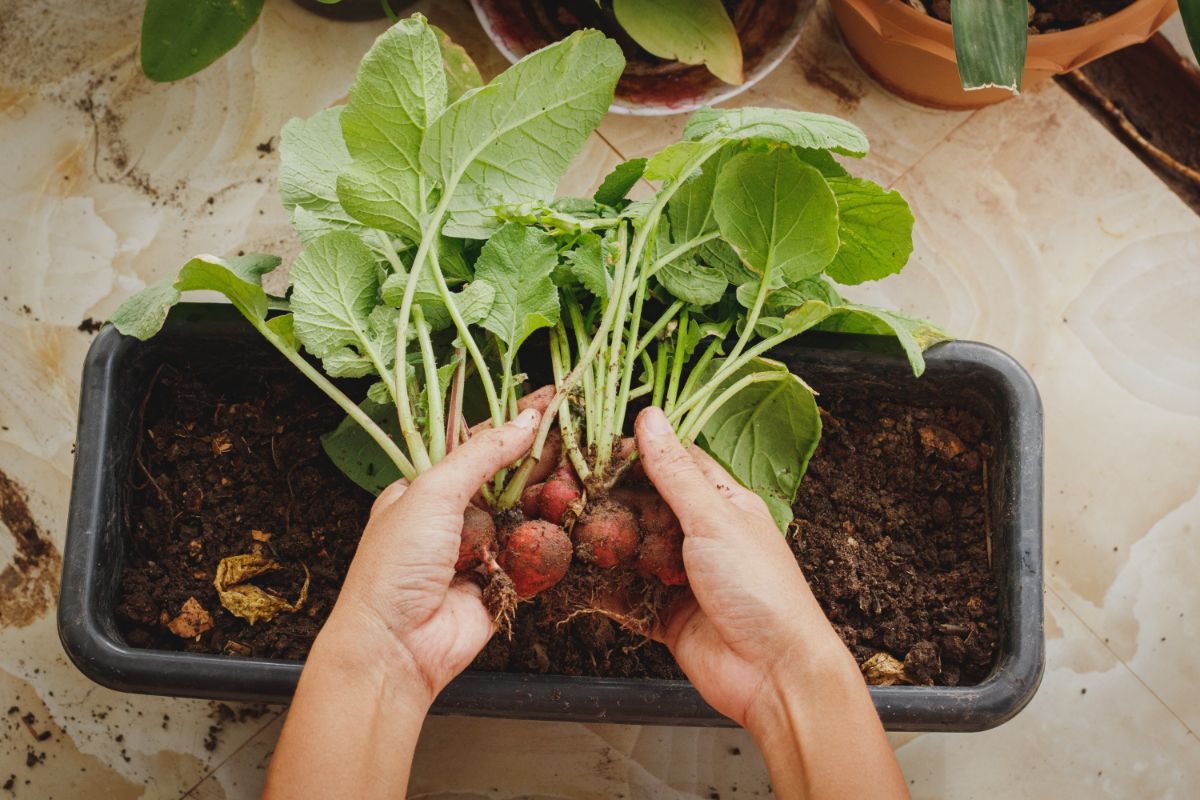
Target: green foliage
(691, 31)
(182, 37)
(990, 37)
(434, 249)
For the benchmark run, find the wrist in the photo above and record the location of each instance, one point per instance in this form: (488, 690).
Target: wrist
(818, 668)
(353, 649)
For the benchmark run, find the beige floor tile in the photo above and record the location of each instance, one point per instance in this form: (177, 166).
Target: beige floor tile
(1093, 730)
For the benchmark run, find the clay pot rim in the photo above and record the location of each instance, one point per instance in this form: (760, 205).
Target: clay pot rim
(932, 24)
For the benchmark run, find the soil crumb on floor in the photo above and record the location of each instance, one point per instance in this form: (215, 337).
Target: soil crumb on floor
(890, 531)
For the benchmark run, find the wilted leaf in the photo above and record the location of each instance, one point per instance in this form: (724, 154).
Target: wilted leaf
(243, 599)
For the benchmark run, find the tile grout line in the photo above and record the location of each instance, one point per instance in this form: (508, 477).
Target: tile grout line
(213, 770)
(1122, 662)
(892, 183)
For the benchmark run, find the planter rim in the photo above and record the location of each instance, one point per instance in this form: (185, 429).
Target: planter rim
(93, 644)
(938, 33)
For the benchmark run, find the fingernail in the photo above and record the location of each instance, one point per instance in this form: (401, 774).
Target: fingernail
(654, 422)
(527, 419)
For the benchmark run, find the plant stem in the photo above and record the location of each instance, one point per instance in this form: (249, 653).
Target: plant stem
(697, 421)
(659, 373)
(399, 387)
(585, 360)
(680, 357)
(681, 250)
(351, 408)
(697, 371)
(658, 325)
(558, 346)
(464, 333)
(433, 389)
(454, 418)
(589, 384)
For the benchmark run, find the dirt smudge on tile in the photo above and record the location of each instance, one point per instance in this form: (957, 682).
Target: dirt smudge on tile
(29, 584)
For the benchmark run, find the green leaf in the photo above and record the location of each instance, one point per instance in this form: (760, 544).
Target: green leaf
(355, 453)
(797, 128)
(311, 155)
(585, 265)
(823, 160)
(251, 267)
(182, 37)
(690, 209)
(346, 362)
(461, 73)
(473, 302)
(720, 254)
(284, 327)
(214, 274)
(512, 140)
(691, 31)
(144, 314)
(913, 334)
(1189, 12)
(335, 288)
(399, 91)
(875, 228)
(618, 182)
(778, 212)
(669, 163)
(693, 282)
(784, 299)
(990, 37)
(765, 435)
(517, 262)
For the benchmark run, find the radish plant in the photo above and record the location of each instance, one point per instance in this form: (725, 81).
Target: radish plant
(434, 249)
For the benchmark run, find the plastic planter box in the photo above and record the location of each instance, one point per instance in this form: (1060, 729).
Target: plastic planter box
(114, 381)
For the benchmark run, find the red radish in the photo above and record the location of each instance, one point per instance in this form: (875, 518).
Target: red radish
(661, 553)
(478, 539)
(559, 492)
(606, 535)
(531, 500)
(536, 557)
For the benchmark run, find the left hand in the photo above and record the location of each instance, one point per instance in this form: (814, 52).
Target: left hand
(402, 604)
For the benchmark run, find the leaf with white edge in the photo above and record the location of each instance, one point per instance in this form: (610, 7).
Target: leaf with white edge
(618, 182)
(766, 434)
(517, 263)
(335, 286)
(690, 31)
(990, 38)
(399, 91)
(512, 140)
(311, 156)
(778, 212)
(355, 453)
(461, 73)
(144, 314)
(875, 229)
(797, 128)
(914, 335)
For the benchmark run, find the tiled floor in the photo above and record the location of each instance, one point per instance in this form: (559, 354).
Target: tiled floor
(1037, 232)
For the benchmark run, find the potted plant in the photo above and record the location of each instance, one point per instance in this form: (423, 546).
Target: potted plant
(995, 48)
(680, 54)
(182, 37)
(439, 270)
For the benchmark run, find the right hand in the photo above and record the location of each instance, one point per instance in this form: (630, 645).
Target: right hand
(751, 618)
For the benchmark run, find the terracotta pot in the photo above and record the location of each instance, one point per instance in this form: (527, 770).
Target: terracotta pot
(767, 29)
(912, 53)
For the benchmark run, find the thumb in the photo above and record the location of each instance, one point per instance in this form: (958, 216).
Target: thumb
(452, 482)
(677, 476)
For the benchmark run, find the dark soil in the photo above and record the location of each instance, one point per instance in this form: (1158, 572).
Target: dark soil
(221, 459)
(890, 523)
(1046, 16)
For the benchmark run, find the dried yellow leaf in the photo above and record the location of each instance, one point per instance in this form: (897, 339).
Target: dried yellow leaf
(882, 669)
(246, 600)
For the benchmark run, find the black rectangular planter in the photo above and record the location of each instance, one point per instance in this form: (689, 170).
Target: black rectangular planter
(114, 380)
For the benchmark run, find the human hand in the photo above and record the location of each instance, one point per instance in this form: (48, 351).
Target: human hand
(750, 618)
(401, 603)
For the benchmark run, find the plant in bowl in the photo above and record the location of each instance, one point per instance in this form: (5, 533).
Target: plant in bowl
(434, 250)
(680, 55)
(995, 47)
